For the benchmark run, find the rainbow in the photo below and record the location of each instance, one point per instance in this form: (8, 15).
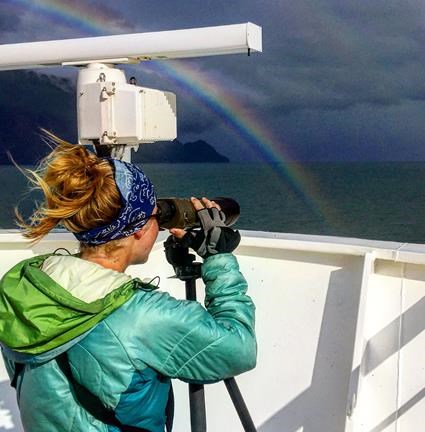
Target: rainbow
(92, 21)
(78, 15)
(243, 122)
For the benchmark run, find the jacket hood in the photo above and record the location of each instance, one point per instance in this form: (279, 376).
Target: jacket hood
(37, 314)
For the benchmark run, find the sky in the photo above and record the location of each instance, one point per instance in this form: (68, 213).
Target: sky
(337, 79)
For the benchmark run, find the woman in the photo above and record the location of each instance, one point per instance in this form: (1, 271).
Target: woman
(87, 347)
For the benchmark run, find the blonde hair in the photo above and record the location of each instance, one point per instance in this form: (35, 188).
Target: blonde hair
(79, 191)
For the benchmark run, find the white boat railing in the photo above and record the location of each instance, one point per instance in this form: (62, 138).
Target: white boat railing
(340, 326)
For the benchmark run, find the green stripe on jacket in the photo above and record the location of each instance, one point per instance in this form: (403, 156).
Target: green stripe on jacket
(37, 314)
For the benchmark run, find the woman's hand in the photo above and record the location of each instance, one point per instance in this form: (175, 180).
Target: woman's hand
(198, 205)
(214, 236)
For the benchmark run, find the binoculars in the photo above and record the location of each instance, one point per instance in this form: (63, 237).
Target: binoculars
(180, 213)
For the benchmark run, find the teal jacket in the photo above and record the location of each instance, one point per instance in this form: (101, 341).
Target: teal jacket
(124, 339)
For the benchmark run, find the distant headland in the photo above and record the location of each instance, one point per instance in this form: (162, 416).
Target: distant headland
(177, 152)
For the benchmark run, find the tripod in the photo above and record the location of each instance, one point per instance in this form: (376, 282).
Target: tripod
(188, 271)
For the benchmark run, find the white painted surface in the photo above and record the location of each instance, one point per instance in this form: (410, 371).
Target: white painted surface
(228, 39)
(334, 315)
(114, 112)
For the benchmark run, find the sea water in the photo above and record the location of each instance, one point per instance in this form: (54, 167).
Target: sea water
(374, 200)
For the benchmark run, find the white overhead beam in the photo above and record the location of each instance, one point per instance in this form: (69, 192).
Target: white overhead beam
(129, 48)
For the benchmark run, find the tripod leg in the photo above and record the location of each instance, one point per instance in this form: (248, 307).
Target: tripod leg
(198, 419)
(240, 405)
(190, 289)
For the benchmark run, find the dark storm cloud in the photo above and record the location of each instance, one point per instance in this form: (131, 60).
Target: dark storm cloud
(335, 54)
(345, 53)
(36, 20)
(192, 121)
(324, 65)
(320, 54)
(322, 61)
(9, 19)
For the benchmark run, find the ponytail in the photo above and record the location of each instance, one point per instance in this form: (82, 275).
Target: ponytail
(79, 191)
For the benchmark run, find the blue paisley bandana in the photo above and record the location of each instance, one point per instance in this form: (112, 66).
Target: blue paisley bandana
(138, 201)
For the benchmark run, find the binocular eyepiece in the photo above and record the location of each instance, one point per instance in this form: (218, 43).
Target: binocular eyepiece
(180, 213)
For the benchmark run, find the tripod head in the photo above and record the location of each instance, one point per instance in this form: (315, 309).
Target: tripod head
(182, 261)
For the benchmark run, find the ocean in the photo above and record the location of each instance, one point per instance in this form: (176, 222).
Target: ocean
(373, 200)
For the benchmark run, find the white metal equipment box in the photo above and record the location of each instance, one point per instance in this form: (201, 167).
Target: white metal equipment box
(121, 113)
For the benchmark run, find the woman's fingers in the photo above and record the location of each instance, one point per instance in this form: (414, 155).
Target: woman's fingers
(210, 204)
(214, 204)
(205, 202)
(197, 204)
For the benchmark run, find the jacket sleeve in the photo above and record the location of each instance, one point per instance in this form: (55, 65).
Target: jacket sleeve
(181, 339)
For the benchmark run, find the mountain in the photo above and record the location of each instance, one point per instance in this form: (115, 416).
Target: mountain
(177, 152)
(30, 101)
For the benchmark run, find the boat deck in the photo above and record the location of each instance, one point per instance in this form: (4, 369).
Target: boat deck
(340, 325)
